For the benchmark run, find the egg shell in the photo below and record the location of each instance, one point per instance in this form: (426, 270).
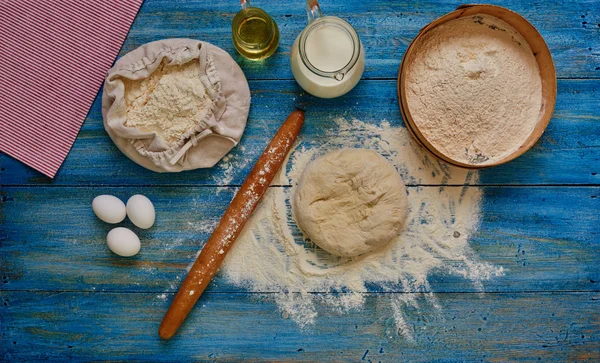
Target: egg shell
(123, 242)
(141, 211)
(109, 209)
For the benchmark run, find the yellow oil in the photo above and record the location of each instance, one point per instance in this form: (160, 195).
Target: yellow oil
(255, 34)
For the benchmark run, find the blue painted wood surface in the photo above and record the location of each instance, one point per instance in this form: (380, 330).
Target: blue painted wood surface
(62, 296)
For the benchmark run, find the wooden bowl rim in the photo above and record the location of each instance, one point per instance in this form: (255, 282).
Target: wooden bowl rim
(541, 53)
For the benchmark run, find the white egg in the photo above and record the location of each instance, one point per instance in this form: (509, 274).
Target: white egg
(109, 209)
(123, 242)
(141, 211)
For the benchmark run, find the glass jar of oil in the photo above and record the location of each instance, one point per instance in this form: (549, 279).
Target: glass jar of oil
(255, 33)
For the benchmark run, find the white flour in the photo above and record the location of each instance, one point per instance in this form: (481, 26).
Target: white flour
(170, 102)
(270, 255)
(230, 164)
(474, 89)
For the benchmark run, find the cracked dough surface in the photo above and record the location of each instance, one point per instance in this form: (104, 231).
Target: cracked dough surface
(350, 202)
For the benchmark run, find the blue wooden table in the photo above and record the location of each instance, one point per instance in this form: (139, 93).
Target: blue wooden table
(63, 296)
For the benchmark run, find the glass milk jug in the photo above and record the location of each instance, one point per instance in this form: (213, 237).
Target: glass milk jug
(327, 57)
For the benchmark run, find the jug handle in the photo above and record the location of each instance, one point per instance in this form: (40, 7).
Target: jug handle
(313, 10)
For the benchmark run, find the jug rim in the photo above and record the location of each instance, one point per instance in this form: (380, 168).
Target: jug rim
(340, 23)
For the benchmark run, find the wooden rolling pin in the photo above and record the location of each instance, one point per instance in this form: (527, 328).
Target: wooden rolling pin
(231, 224)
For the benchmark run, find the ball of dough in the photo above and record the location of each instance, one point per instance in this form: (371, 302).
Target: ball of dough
(350, 201)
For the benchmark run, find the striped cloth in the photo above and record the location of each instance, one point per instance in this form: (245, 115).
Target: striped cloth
(54, 55)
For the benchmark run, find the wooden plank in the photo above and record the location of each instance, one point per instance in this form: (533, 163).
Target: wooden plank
(64, 296)
(385, 28)
(546, 239)
(568, 152)
(232, 327)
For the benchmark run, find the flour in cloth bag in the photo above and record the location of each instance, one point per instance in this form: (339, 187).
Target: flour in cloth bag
(170, 102)
(175, 104)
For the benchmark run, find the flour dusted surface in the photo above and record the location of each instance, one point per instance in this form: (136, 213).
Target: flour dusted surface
(270, 255)
(171, 102)
(474, 89)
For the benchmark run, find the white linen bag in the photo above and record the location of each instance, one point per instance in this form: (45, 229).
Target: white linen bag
(212, 136)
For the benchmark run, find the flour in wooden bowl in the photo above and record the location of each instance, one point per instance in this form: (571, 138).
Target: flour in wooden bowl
(473, 89)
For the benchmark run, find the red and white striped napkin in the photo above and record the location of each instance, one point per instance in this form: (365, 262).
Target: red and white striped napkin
(54, 56)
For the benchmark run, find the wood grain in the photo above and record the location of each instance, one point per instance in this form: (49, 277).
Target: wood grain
(384, 27)
(568, 152)
(235, 327)
(63, 296)
(542, 244)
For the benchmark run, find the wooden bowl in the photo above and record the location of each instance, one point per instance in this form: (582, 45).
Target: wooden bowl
(540, 51)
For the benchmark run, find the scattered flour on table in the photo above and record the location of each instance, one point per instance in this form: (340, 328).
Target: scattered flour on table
(205, 226)
(474, 89)
(230, 164)
(162, 297)
(270, 255)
